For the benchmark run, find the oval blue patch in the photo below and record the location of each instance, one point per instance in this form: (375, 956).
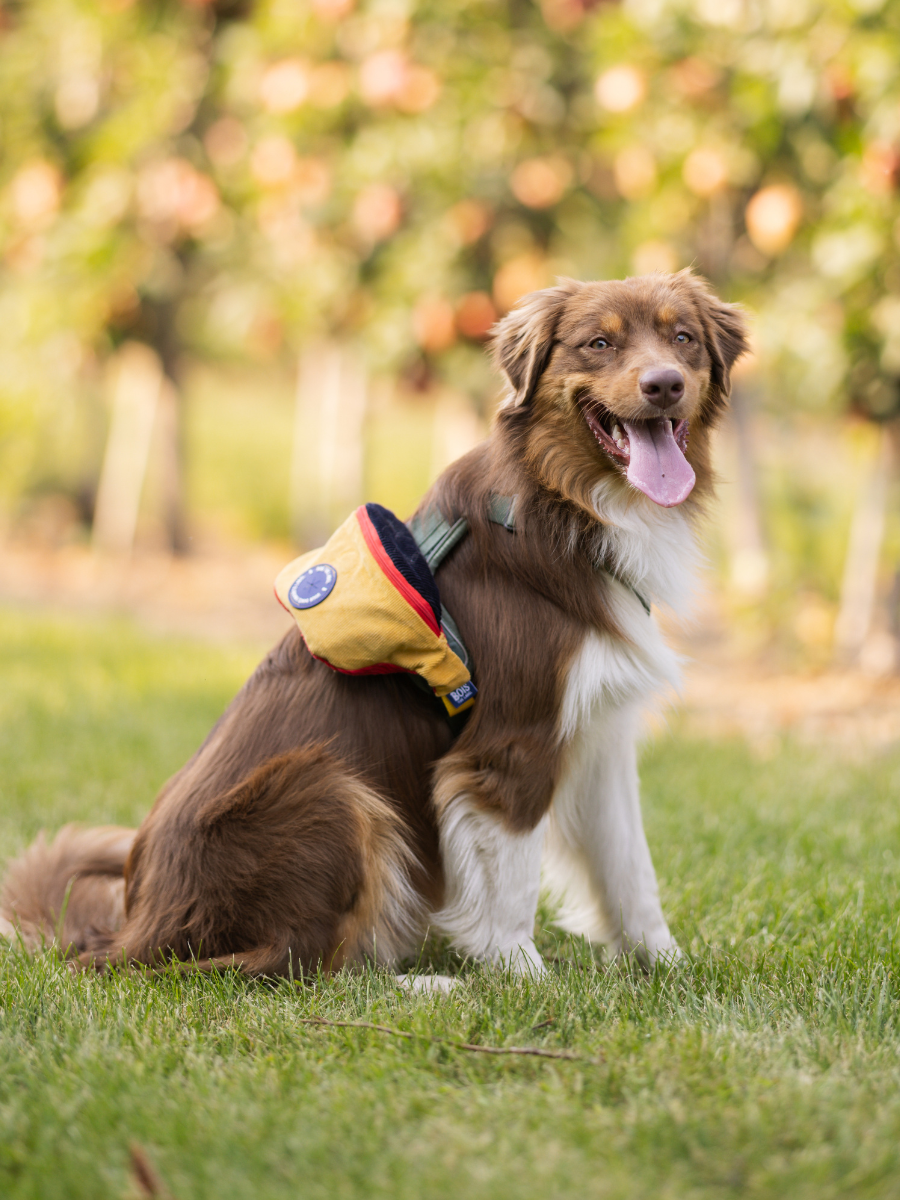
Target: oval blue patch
(311, 588)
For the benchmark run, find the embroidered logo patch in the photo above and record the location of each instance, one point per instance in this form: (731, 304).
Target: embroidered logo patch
(311, 588)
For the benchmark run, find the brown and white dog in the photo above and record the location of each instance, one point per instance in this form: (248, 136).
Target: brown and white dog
(326, 819)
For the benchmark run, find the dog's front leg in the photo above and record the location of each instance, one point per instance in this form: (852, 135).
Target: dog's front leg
(596, 831)
(492, 881)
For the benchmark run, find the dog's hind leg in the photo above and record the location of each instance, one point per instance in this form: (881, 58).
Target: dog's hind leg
(298, 865)
(492, 879)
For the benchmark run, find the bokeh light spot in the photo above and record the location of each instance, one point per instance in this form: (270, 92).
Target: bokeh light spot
(705, 171)
(377, 212)
(433, 324)
(475, 314)
(273, 160)
(772, 217)
(620, 88)
(36, 190)
(284, 86)
(468, 220)
(541, 182)
(524, 273)
(634, 170)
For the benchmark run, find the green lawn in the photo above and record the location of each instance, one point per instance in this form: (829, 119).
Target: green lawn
(766, 1065)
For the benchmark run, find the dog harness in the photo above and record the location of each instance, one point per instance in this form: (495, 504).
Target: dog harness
(366, 603)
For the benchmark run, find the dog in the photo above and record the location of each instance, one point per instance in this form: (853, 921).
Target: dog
(330, 820)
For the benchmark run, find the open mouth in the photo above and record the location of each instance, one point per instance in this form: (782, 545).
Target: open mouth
(652, 453)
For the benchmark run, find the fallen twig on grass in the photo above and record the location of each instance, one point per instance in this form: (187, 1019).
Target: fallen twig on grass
(146, 1178)
(533, 1051)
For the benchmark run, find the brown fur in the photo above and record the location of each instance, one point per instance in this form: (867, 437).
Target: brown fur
(70, 889)
(304, 830)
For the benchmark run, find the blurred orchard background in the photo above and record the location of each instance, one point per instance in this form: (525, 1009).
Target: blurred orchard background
(251, 250)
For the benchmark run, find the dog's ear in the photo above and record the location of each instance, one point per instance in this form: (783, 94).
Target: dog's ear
(725, 332)
(523, 340)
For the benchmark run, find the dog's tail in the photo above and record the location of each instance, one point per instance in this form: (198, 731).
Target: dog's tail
(68, 891)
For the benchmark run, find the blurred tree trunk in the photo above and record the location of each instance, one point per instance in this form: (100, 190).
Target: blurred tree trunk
(859, 586)
(328, 452)
(749, 556)
(137, 381)
(171, 426)
(170, 432)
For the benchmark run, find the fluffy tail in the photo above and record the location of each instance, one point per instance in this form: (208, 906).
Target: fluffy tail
(69, 891)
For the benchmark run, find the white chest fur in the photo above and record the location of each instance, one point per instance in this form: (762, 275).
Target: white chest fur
(609, 672)
(652, 547)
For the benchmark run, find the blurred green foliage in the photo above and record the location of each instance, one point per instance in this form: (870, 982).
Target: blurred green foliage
(227, 180)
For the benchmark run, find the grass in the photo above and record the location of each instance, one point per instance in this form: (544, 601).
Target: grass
(768, 1064)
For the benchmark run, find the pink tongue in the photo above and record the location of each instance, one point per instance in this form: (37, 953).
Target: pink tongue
(657, 467)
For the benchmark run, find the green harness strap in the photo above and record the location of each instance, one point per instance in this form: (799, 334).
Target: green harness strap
(436, 537)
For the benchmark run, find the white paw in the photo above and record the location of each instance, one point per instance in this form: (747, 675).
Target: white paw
(7, 930)
(522, 959)
(650, 952)
(441, 984)
(667, 955)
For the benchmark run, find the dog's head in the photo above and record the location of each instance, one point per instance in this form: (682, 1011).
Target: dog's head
(620, 379)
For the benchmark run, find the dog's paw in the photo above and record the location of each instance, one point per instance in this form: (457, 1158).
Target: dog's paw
(652, 955)
(7, 930)
(663, 957)
(430, 984)
(522, 959)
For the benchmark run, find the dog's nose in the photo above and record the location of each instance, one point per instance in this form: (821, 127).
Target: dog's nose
(662, 388)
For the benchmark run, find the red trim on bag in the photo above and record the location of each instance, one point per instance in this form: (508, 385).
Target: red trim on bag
(281, 602)
(416, 602)
(375, 669)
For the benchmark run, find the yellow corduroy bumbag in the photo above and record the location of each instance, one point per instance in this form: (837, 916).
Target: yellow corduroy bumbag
(366, 603)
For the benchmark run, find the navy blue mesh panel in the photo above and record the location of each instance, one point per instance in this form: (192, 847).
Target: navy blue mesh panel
(406, 556)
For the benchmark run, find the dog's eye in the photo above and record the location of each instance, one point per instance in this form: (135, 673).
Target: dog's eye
(683, 337)
(599, 344)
